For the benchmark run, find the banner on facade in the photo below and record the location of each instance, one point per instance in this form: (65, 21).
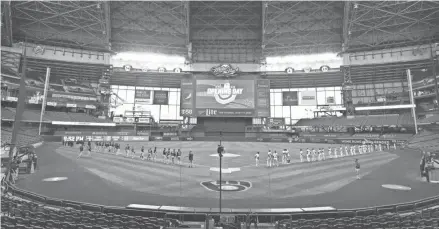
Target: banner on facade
(330, 100)
(308, 98)
(131, 120)
(161, 97)
(289, 98)
(143, 96)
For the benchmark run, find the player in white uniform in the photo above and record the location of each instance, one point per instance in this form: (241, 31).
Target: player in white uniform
(257, 159)
(341, 151)
(319, 154)
(276, 158)
(301, 155)
(346, 150)
(314, 158)
(308, 155)
(269, 158)
(380, 147)
(323, 154)
(329, 152)
(335, 152)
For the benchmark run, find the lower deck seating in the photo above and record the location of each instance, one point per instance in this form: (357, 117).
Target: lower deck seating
(23, 214)
(22, 139)
(425, 139)
(370, 120)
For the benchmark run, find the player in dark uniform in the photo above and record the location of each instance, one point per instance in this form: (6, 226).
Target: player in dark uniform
(127, 150)
(132, 152)
(142, 151)
(164, 155)
(357, 168)
(179, 156)
(191, 159)
(81, 149)
(149, 158)
(173, 155)
(117, 146)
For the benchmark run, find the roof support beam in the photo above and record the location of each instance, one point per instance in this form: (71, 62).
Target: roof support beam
(6, 8)
(188, 42)
(346, 27)
(107, 15)
(264, 8)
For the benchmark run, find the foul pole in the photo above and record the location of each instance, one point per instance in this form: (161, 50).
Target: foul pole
(43, 106)
(412, 100)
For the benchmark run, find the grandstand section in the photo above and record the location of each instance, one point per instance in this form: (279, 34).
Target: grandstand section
(290, 114)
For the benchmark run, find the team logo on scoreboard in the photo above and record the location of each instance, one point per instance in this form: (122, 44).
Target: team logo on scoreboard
(225, 70)
(224, 93)
(227, 186)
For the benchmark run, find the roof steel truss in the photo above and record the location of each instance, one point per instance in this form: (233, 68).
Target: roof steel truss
(151, 26)
(66, 23)
(302, 27)
(6, 20)
(385, 24)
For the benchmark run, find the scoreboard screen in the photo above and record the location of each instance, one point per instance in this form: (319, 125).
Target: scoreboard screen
(225, 98)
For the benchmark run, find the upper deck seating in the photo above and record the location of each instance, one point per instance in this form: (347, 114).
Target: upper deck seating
(370, 120)
(34, 115)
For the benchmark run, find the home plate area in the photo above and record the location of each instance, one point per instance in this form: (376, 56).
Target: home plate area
(228, 186)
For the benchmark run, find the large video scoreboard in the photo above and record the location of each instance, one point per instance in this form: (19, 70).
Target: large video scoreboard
(225, 98)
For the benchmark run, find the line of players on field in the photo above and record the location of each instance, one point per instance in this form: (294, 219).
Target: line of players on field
(319, 154)
(169, 156)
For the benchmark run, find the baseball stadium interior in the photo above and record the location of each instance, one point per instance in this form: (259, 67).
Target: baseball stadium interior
(219, 114)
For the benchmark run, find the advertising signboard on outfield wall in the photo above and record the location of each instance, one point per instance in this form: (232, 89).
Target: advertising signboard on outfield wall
(94, 133)
(105, 138)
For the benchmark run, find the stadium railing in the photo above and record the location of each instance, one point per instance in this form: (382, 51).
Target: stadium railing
(201, 214)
